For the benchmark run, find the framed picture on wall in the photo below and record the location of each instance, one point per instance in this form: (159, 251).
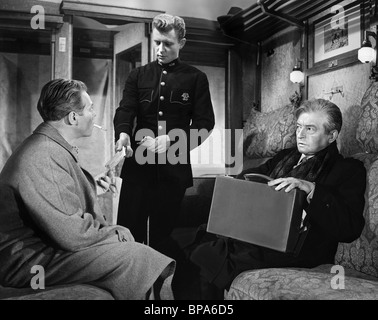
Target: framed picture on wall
(334, 38)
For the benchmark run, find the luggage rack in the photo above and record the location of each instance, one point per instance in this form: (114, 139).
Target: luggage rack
(267, 17)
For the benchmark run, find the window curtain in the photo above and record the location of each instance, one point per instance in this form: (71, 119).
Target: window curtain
(22, 77)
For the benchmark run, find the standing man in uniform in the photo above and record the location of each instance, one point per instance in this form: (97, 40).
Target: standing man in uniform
(170, 102)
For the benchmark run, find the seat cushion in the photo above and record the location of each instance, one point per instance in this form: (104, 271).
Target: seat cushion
(301, 284)
(66, 292)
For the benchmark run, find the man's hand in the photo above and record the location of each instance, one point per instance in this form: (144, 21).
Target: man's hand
(291, 183)
(105, 183)
(124, 141)
(158, 145)
(148, 143)
(162, 143)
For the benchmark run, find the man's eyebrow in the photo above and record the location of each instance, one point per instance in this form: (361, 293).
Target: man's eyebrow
(306, 125)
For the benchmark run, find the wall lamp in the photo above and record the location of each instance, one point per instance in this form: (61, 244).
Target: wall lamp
(367, 54)
(297, 76)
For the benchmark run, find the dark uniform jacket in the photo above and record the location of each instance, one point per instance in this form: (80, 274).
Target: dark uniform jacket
(162, 98)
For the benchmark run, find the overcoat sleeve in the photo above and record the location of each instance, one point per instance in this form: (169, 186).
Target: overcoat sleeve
(62, 202)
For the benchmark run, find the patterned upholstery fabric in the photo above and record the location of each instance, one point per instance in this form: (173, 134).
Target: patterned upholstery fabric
(348, 146)
(266, 133)
(362, 254)
(300, 284)
(367, 135)
(68, 292)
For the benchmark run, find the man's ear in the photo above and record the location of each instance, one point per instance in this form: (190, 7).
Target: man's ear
(72, 118)
(333, 135)
(182, 43)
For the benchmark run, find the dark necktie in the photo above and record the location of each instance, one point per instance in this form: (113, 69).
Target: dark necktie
(303, 160)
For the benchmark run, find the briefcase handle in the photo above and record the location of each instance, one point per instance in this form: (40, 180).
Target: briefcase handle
(257, 177)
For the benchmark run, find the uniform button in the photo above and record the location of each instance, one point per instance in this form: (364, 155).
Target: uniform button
(163, 84)
(160, 127)
(160, 113)
(164, 72)
(161, 98)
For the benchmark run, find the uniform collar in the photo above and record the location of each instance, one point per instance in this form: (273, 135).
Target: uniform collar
(170, 65)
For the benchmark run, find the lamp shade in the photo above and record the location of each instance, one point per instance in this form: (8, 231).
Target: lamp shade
(366, 54)
(296, 76)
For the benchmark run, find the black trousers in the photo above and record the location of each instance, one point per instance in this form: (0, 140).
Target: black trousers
(161, 203)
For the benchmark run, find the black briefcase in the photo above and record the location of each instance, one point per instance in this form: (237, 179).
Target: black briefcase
(253, 212)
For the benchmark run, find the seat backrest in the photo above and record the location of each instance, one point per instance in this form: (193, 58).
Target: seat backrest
(266, 133)
(362, 254)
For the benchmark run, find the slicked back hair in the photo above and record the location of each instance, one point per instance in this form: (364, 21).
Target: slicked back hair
(166, 22)
(59, 97)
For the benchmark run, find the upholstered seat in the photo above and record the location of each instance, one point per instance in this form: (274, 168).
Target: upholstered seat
(67, 292)
(302, 284)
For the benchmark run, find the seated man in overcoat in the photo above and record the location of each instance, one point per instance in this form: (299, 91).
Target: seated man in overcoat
(50, 216)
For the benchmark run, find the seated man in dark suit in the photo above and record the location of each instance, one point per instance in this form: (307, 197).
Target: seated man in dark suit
(335, 189)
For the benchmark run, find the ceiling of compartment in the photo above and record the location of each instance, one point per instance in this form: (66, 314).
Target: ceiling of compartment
(264, 18)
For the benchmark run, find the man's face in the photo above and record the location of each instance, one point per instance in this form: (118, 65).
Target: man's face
(167, 46)
(86, 118)
(311, 135)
